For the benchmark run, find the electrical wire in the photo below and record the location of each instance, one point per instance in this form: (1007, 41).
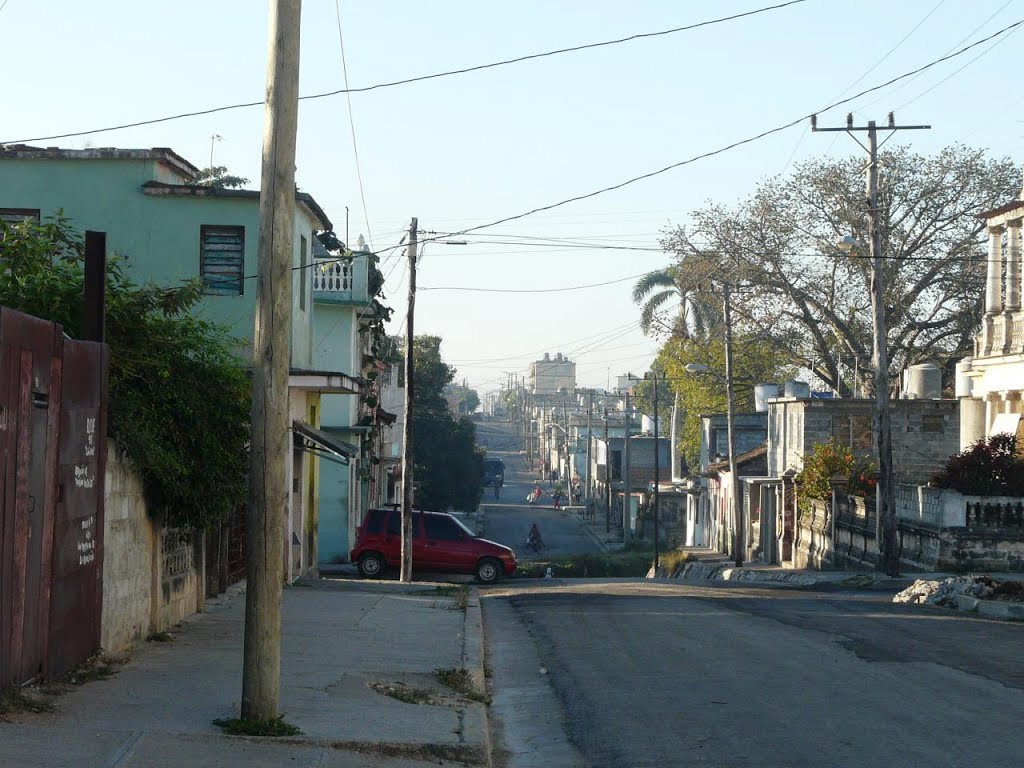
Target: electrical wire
(738, 143)
(422, 78)
(352, 125)
(534, 290)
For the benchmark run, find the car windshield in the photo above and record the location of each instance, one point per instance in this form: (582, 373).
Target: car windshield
(462, 525)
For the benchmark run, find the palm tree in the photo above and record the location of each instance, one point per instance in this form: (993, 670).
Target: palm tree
(695, 316)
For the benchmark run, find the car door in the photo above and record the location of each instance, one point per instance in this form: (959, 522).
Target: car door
(391, 545)
(448, 547)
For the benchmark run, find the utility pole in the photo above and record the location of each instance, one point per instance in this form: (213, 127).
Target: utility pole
(886, 493)
(270, 447)
(607, 477)
(657, 474)
(590, 432)
(627, 516)
(730, 393)
(408, 455)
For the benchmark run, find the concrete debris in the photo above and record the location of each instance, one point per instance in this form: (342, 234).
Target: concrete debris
(945, 592)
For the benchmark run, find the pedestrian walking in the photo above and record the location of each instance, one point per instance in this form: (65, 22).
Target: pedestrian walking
(557, 496)
(497, 487)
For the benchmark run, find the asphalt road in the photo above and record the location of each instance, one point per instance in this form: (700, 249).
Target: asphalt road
(637, 674)
(508, 518)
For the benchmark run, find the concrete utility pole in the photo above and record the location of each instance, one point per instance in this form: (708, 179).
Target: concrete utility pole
(886, 492)
(657, 473)
(408, 455)
(607, 477)
(730, 395)
(590, 432)
(626, 473)
(270, 449)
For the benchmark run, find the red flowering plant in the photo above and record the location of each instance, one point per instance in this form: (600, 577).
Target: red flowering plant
(990, 467)
(825, 461)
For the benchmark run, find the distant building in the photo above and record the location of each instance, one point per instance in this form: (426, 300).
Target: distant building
(549, 375)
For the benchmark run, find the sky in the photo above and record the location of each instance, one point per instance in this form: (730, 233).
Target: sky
(469, 149)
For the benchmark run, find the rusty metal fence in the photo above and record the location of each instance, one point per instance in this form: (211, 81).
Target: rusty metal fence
(53, 412)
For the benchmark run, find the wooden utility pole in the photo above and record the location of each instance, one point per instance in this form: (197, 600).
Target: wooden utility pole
(886, 490)
(408, 455)
(270, 448)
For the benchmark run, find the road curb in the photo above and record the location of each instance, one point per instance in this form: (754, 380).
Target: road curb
(473, 657)
(990, 609)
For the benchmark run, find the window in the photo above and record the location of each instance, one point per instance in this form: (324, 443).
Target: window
(18, 215)
(221, 259)
(303, 268)
(375, 520)
(441, 528)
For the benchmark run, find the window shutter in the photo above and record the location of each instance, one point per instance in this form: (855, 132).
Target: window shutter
(222, 257)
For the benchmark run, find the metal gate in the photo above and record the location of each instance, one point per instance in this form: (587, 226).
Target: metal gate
(53, 395)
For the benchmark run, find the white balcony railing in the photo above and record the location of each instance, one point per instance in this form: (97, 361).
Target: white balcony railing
(334, 276)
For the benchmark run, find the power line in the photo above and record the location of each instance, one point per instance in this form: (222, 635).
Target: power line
(422, 78)
(352, 126)
(738, 143)
(534, 290)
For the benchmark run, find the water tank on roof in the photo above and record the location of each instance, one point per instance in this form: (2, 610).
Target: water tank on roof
(797, 389)
(762, 394)
(547, 357)
(964, 383)
(922, 382)
(647, 425)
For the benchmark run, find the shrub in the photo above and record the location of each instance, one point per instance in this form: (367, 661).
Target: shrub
(988, 467)
(829, 459)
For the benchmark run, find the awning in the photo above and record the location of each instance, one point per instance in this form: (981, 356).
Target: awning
(324, 382)
(316, 441)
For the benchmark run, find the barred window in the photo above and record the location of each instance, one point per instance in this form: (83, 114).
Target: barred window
(221, 259)
(17, 215)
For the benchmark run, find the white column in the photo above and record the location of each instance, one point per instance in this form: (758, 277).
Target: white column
(1012, 267)
(993, 285)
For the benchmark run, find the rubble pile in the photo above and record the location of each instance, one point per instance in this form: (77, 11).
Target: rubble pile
(944, 592)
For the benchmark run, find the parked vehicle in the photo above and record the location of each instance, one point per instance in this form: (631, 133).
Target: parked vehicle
(493, 469)
(440, 542)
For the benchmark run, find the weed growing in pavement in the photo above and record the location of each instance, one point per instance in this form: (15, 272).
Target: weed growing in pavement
(14, 700)
(239, 726)
(160, 637)
(99, 667)
(459, 680)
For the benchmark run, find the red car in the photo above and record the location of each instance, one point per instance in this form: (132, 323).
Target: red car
(440, 542)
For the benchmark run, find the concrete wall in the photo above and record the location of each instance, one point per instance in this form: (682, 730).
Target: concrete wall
(152, 577)
(937, 531)
(925, 433)
(129, 538)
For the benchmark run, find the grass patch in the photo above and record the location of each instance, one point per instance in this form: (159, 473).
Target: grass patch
(631, 562)
(160, 637)
(675, 560)
(458, 592)
(16, 700)
(460, 681)
(245, 726)
(440, 753)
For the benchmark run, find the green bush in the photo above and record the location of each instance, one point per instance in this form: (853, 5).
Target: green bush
(827, 460)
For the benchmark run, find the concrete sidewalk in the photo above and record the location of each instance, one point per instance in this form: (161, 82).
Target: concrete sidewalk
(339, 639)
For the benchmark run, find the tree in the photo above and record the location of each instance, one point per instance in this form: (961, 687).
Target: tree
(179, 398)
(654, 290)
(811, 301)
(753, 361)
(448, 465)
(218, 177)
(465, 400)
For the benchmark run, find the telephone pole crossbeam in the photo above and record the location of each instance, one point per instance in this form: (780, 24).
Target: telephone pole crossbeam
(886, 492)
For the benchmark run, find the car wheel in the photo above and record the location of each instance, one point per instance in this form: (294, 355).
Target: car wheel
(371, 565)
(488, 570)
